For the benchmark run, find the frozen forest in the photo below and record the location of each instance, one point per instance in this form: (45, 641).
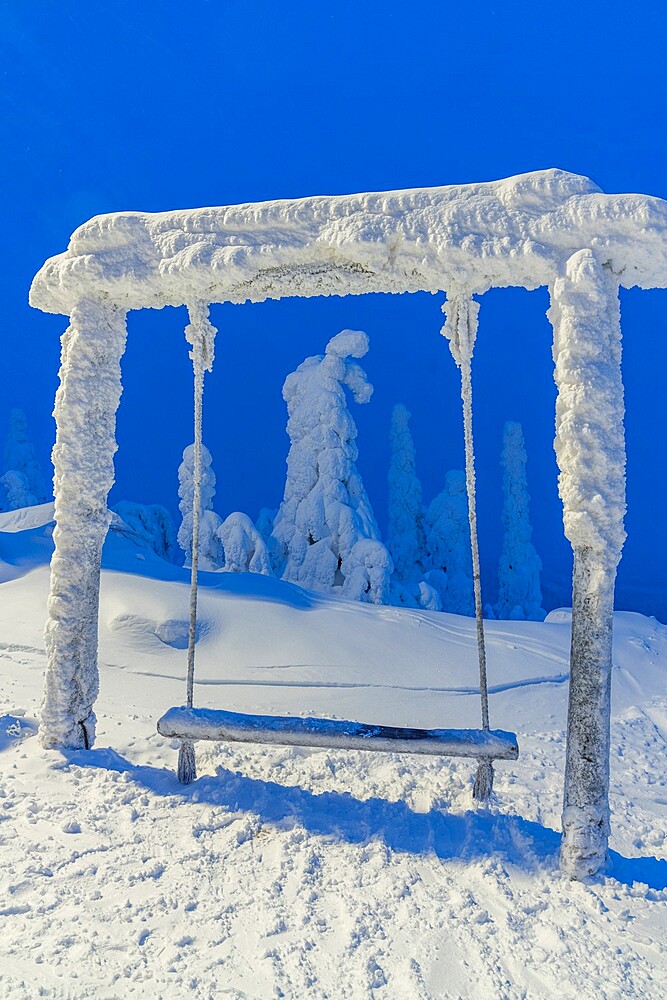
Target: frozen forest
(325, 535)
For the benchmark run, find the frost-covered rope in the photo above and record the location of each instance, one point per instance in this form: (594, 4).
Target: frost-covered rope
(466, 396)
(201, 334)
(196, 518)
(461, 313)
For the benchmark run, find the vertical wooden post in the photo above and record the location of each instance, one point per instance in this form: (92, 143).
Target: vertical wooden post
(85, 412)
(586, 793)
(590, 449)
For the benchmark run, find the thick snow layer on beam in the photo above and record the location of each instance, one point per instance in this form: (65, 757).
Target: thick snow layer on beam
(517, 231)
(210, 724)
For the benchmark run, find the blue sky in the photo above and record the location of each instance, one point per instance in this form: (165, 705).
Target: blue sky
(152, 106)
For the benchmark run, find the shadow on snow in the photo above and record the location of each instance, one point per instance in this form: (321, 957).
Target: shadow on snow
(475, 834)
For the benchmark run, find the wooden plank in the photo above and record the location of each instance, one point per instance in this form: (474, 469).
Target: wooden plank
(233, 727)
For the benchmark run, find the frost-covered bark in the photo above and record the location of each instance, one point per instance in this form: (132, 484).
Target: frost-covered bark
(590, 449)
(211, 556)
(586, 795)
(406, 515)
(519, 591)
(85, 412)
(448, 555)
(19, 457)
(325, 509)
(244, 548)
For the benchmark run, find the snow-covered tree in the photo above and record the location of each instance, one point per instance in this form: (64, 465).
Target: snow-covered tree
(211, 554)
(428, 597)
(519, 591)
(367, 570)
(19, 457)
(264, 524)
(245, 549)
(149, 524)
(15, 491)
(448, 555)
(417, 594)
(325, 509)
(265, 521)
(406, 515)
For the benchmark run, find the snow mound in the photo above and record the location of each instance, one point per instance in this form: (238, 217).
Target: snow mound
(170, 632)
(26, 518)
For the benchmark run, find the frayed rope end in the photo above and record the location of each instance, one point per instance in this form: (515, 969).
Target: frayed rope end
(483, 781)
(187, 766)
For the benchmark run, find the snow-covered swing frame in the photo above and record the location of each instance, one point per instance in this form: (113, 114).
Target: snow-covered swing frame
(546, 228)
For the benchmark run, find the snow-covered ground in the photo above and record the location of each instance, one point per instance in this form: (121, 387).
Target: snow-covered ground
(294, 873)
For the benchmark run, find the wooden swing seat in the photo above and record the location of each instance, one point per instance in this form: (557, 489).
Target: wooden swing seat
(233, 727)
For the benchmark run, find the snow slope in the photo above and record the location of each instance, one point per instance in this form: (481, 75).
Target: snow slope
(295, 873)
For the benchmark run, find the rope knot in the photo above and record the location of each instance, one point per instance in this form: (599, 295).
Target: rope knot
(200, 332)
(460, 327)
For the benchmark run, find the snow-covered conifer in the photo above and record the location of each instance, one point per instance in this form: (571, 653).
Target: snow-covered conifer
(211, 555)
(245, 549)
(428, 597)
(149, 524)
(19, 456)
(519, 591)
(264, 524)
(265, 521)
(16, 491)
(406, 517)
(367, 570)
(420, 594)
(325, 509)
(448, 554)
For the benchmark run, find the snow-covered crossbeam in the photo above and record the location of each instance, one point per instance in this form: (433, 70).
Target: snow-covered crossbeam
(232, 727)
(517, 231)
